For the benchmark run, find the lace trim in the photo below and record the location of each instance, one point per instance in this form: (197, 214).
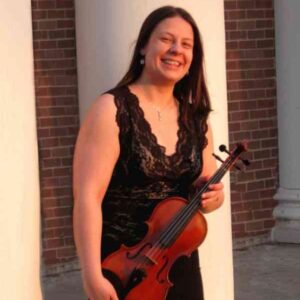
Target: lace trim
(153, 138)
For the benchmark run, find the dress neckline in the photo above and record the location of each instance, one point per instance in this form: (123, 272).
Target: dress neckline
(147, 124)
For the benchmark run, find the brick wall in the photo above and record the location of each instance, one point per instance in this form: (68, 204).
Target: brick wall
(57, 119)
(252, 113)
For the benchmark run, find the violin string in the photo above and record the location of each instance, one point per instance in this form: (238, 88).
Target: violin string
(194, 203)
(155, 252)
(185, 214)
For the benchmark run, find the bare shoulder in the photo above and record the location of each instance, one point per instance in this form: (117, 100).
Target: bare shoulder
(103, 106)
(97, 148)
(101, 116)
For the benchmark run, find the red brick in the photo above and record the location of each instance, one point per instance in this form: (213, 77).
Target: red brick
(255, 14)
(247, 44)
(263, 214)
(267, 193)
(273, 143)
(238, 227)
(237, 95)
(66, 252)
(265, 23)
(54, 243)
(256, 34)
(246, 24)
(237, 116)
(229, 5)
(237, 35)
(263, 3)
(57, 34)
(263, 174)
(237, 206)
(231, 44)
(269, 203)
(236, 14)
(269, 163)
(245, 4)
(255, 185)
(231, 25)
(249, 125)
(70, 43)
(243, 135)
(56, 14)
(265, 43)
(262, 154)
(248, 105)
(257, 225)
(269, 13)
(253, 204)
(47, 25)
(61, 171)
(45, 4)
(64, 4)
(269, 224)
(242, 216)
(65, 24)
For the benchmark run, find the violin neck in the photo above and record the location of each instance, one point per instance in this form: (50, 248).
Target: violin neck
(218, 175)
(186, 214)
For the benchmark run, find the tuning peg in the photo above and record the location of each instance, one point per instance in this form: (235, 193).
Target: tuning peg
(223, 148)
(222, 161)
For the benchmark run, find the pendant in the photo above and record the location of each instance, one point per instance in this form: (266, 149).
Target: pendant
(158, 115)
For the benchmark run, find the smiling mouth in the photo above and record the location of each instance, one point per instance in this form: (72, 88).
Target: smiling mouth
(171, 62)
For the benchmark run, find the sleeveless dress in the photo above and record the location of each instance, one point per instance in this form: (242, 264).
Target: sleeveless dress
(143, 176)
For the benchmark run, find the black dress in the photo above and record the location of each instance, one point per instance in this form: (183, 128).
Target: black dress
(143, 176)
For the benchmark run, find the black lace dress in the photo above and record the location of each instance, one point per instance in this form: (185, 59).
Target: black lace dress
(143, 176)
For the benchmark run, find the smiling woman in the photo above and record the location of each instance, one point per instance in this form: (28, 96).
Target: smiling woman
(169, 51)
(145, 140)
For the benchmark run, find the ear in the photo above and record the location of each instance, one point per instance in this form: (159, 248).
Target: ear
(143, 51)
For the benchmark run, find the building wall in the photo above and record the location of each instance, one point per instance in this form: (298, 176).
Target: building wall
(252, 116)
(251, 88)
(57, 121)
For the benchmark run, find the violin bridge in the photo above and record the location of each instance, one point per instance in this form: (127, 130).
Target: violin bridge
(150, 260)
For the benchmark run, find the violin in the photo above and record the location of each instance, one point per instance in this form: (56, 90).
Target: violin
(176, 227)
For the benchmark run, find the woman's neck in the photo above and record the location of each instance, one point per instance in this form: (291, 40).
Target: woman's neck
(159, 95)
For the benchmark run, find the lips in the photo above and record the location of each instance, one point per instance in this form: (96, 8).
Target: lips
(172, 62)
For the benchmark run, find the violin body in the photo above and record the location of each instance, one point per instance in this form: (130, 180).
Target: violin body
(175, 228)
(144, 268)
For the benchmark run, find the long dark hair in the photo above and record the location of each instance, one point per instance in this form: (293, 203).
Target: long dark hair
(191, 90)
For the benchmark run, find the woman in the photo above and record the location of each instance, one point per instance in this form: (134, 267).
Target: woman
(143, 141)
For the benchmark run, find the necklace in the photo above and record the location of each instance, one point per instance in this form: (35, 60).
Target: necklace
(159, 111)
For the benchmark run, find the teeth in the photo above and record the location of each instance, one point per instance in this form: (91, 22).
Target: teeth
(172, 62)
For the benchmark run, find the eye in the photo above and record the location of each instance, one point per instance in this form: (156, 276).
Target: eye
(187, 45)
(166, 39)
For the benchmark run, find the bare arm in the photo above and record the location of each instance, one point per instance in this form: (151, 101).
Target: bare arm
(96, 153)
(214, 198)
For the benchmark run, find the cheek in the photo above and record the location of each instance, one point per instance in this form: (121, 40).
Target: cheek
(190, 58)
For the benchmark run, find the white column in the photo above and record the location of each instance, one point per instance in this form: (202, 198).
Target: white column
(106, 31)
(19, 180)
(287, 213)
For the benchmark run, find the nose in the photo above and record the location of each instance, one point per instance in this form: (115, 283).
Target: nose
(175, 47)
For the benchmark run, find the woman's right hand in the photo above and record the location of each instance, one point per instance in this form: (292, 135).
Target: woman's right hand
(102, 289)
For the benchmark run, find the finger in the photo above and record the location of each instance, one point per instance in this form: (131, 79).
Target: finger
(209, 195)
(216, 186)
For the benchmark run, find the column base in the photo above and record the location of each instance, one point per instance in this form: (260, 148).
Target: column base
(287, 215)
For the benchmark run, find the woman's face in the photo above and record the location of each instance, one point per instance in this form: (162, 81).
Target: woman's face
(169, 51)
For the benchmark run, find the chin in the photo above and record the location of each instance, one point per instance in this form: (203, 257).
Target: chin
(172, 77)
